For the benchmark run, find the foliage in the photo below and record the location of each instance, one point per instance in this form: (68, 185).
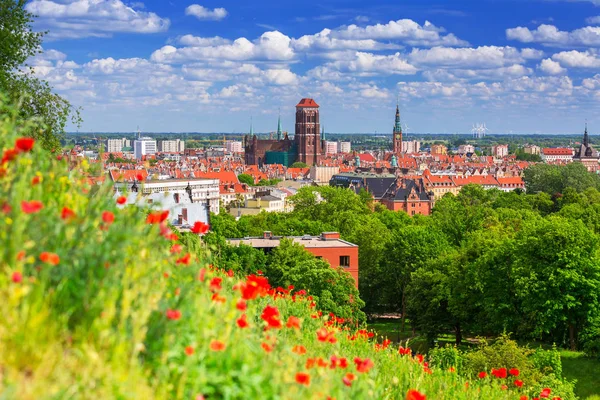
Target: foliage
(247, 179)
(299, 164)
(554, 179)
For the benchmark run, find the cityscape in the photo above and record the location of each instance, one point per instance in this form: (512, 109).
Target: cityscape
(385, 200)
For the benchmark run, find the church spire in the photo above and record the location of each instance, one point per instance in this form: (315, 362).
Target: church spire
(397, 126)
(279, 126)
(323, 132)
(251, 127)
(586, 138)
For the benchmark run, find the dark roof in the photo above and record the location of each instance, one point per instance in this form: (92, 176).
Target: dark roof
(400, 193)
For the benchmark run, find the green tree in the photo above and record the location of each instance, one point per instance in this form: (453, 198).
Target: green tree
(299, 164)
(554, 179)
(18, 43)
(247, 179)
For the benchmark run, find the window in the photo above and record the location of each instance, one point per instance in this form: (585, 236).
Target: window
(345, 261)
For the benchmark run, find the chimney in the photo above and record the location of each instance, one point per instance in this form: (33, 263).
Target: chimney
(179, 219)
(267, 235)
(330, 235)
(184, 214)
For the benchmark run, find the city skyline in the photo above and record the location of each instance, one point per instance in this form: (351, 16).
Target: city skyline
(520, 66)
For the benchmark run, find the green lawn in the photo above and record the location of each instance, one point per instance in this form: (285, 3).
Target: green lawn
(585, 370)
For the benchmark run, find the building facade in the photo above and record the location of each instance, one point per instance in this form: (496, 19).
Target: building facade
(411, 147)
(439, 149)
(233, 146)
(397, 134)
(308, 132)
(466, 149)
(116, 145)
(500, 151)
(586, 154)
(144, 146)
(331, 147)
(563, 155)
(345, 147)
(171, 146)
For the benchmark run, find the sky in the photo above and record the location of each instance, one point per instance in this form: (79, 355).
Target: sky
(520, 66)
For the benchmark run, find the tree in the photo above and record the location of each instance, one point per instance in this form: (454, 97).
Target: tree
(17, 81)
(554, 179)
(299, 164)
(247, 179)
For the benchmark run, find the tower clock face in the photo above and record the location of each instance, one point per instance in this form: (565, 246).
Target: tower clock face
(397, 136)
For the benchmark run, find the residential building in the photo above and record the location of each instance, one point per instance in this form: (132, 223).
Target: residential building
(117, 145)
(234, 146)
(440, 184)
(331, 147)
(171, 146)
(510, 183)
(500, 150)
(439, 149)
(559, 154)
(328, 246)
(531, 149)
(411, 147)
(144, 146)
(466, 149)
(323, 174)
(408, 195)
(345, 147)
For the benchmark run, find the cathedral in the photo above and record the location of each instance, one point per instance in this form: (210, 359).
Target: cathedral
(586, 154)
(306, 146)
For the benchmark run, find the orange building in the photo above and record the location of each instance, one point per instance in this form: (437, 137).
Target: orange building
(327, 246)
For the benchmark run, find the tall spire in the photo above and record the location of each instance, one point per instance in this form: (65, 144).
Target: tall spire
(251, 127)
(397, 125)
(323, 132)
(586, 138)
(279, 126)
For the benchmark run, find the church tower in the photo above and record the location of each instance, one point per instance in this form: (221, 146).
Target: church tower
(308, 132)
(397, 135)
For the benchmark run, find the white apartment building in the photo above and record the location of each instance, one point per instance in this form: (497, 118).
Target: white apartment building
(171, 146)
(331, 147)
(234, 146)
(144, 146)
(466, 149)
(116, 145)
(532, 149)
(344, 147)
(564, 155)
(500, 151)
(323, 174)
(411, 146)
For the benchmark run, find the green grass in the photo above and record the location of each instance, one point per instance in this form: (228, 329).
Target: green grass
(585, 370)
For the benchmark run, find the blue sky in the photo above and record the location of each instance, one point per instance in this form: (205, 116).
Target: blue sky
(520, 66)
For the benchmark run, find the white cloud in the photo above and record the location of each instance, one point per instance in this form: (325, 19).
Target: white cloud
(204, 13)
(404, 30)
(577, 59)
(195, 41)
(478, 58)
(281, 77)
(374, 92)
(325, 40)
(85, 18)
(272, 46)
(550, 35)
(551, 67)
(366, 64)
(512, 71)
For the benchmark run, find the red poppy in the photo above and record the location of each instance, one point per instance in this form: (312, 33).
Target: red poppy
(217, 345)
(323, 335)
(338, 362)
(49, 258)
(218, 298)
(518, 383)
(499, 373)
(139, 176)
(31, 207)
(24, 144)
(67, 213)
(254, 287)
(242, 322)
(413, 394)
(200, 227)
(176, 248)
(419, 358)
(293, 322)
(17, 277)
(185, 260)
(404, 351)
(348, 378)
(267, 347)
(6, 208)
(21, 255)
(303, 378)
(108, 217)
(523, 398)
(173, 315)
(35, 180)
(299, 349)
(503, 387)
(215, 284)
(9, 155)
(241, 305)
(121, 200)
(189, 350)
(514, 372)
(363, 365)
(270, 315)
(482, 374)
(545, 392)
(157, 217)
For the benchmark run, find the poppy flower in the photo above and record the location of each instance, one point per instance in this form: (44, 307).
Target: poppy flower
(35, 180)
(503, 387)
(200, 227)
(413, 394)
(49, 258)
(217, 345)
(173, 315)
(293, 322)
(545, 392)
(270, 315)
(266, 347)
(499, 373)
(338, 362)
(303, 378)
(348, 378)
(523, 398)
(176, 248)
(108, 217)
(121, 200)
(242, 322)
(241, 305)
(139, 176)
(189, 350)
(518, 383)
(185, 260)
(299, 349)
(21, 255)
(201, 274)
(157, 217)
(255, 286)
(17, 277)
(215, 284)
(6, 208)
(218, 298)
(514, 372)
(67, 213)
(24, 144)
(9, 155)
(482, 374)
(363, 365)
(31, 207)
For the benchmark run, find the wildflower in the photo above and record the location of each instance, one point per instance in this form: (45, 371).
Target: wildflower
(499, 373)
(21, 255)
(267, 347)
(518, 383)
(185, 259)
(218, 298)
(9, 155)
(270, 315)
(173, 315)
(254, 287)
(482, 374)
(121, 200)
(514, 372)
(200, 227)
(217, 345)
(451, 369)
(215, 284)
(363, 365)
(413, 394)
(31, 207)
(157, 217)
(419, 358)
(293, 322)
(523, 398)
(201, 274)
(67, 213)
(17, 277)
(24, 144)
(176, 248)
(299, 349)
(242, 322)
(348, 378)
(139, 176)
(404, 351)
(323, 335)
(108, 217)
(35, 180)
(545, 392)
(189, 350)
(303, 378)
(338, 362)
(241, 305)
(49, 258)
(6, 208)
(503, 387)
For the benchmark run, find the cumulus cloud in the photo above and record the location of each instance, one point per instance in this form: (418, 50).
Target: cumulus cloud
(551, 67)
(195, 41)
(512, 71)
(550, 35)
(204, 13)
(365, 64)
(84, 18)
(577, 59)
(479, 58)
(325, 40)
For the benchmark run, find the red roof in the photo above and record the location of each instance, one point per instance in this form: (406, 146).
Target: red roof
(307, 103)
(558, 151)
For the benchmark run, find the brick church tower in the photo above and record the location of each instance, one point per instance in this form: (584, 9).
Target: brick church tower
(397, 136)
(308, 132)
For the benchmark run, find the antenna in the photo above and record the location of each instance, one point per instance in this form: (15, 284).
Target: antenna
(139, 132)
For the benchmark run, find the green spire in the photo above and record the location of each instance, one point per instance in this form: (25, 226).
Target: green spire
(279, 126)
(323, 133)
(397, 126)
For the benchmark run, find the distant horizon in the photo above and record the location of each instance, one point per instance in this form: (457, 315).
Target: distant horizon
(330, 133)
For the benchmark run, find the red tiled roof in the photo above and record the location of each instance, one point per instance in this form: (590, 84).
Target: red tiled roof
(558, 151)
(307, 103)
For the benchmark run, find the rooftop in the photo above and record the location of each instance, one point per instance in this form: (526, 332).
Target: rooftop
(306, 241)
(307, 103)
